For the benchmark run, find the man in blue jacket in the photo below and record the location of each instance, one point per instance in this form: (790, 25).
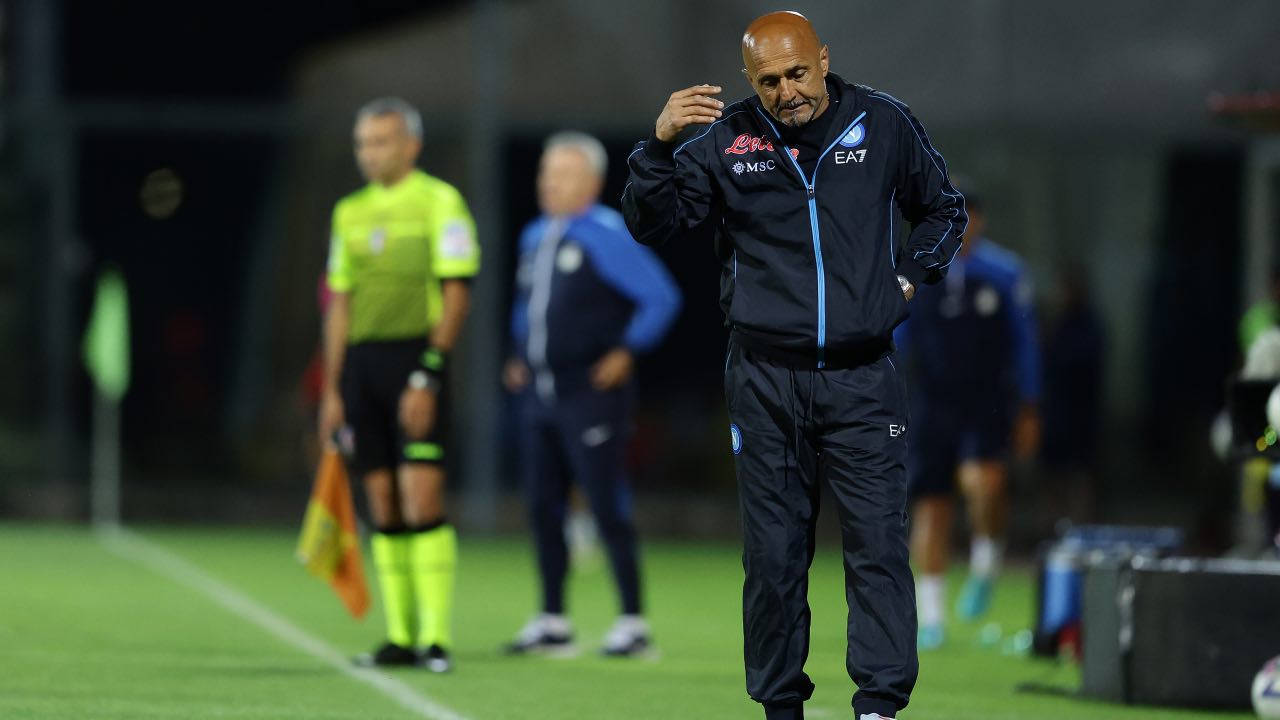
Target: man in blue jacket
(588, 299)
(800, 186)
(974, 358)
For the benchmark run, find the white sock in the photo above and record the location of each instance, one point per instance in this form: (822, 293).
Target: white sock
(634, 624)
(581, 533)
(930, 600)
(556, 624)
(985, 555)
(873, 716)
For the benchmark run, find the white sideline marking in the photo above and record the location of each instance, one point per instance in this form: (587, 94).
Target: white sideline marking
(133, 547)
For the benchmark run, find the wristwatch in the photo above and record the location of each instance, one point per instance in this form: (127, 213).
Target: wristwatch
(423, 380)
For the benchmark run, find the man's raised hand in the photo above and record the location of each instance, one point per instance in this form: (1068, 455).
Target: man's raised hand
(691, 106)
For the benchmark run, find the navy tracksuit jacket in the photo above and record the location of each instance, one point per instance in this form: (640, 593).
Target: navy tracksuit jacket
(809, 266)
(583, 287)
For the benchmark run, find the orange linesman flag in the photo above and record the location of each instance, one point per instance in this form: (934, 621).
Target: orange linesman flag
(329, 545)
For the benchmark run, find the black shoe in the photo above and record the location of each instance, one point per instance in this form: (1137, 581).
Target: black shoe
(389, 655)
(436, 659)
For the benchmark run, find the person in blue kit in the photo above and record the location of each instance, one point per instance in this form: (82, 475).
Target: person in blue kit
(972, 353)
(588, 299)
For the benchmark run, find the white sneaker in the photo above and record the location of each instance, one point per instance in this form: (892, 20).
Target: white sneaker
(543, 635)
(628, 637)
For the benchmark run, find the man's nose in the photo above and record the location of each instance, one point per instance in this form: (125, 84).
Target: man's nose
(786, 90)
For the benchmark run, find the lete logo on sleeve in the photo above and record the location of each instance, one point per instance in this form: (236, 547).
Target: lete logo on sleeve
(745, 143)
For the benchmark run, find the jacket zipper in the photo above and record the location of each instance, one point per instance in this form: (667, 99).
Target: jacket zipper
(813, 226)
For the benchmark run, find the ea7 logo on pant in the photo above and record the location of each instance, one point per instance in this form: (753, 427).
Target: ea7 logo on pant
(897, 430)
(844, 157)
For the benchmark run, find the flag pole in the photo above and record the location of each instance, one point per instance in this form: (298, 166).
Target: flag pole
(105, 469)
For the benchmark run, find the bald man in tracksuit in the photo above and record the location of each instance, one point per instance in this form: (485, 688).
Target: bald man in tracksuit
(801, 186)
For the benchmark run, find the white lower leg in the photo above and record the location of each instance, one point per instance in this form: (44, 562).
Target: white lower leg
(930, 599)
(985, 557)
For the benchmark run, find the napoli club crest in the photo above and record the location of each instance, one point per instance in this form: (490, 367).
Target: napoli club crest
(854, 137)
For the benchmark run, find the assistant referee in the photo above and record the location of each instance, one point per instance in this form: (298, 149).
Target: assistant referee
(403, 250)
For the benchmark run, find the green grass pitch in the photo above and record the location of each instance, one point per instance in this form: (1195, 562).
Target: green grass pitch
(87, 633)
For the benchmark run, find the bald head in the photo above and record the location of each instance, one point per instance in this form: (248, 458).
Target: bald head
(786, 27)
(786, 64)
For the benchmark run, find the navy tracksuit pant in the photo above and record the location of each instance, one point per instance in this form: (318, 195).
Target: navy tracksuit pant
(579, 437)
(792, 430)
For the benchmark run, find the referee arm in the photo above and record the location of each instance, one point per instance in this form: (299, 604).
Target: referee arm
(456, 306)
(336, 321)
(418, 405)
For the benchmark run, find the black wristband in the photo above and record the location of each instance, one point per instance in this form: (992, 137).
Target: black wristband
(435, 362)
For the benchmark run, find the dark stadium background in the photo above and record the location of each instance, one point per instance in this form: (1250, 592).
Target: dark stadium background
(223, 291)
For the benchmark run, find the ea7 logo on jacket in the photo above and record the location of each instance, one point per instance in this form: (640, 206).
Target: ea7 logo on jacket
(745, 143)
(850, 156)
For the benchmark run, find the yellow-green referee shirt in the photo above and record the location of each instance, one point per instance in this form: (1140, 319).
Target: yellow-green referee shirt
(391, 248)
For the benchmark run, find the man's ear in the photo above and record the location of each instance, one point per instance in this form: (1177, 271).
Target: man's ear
(747, 75)
(825, 59)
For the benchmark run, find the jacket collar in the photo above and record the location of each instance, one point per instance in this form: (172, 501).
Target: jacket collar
(846, 109)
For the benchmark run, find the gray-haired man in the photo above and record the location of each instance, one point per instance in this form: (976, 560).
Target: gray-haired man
(588, 299)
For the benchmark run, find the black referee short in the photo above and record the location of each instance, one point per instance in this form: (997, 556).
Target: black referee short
(374, 374)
